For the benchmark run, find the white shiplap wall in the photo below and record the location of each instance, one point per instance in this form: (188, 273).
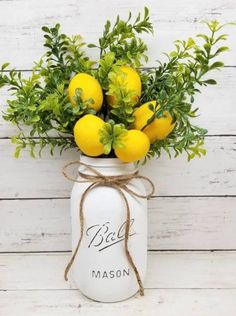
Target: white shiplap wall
(194, 208)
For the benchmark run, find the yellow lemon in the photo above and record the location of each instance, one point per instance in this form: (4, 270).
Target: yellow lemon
(159, 129)
(87, 136)
(91, 89)
(132, 82)
(135, 146)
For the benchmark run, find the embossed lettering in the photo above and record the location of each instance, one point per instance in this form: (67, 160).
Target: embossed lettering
(110, 274)
(98, 237)
(101, 236)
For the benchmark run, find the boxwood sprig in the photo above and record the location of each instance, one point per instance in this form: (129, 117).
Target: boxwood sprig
(122, 39)
(173, 84)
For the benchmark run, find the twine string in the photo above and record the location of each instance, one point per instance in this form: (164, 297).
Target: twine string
(119, 183)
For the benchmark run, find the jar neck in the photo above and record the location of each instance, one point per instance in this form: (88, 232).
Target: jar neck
(107, 166)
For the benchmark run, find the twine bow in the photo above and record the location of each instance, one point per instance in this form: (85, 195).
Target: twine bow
(119, 183)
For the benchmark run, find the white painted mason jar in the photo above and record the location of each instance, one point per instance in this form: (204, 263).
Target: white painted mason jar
(101, 269)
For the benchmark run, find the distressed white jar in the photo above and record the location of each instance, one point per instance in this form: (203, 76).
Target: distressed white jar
(101, 270)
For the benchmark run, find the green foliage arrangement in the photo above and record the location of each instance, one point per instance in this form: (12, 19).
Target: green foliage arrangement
(41, 101)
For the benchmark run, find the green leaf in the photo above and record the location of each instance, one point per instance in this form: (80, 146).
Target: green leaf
(151, 107)
(222, 37)
(204, 36)
(45, 29)
(210, 81)
(221, 50)
(190, 43)
(207, 47)
(17, 151)
(217, 64)
(4, 66)
(107, 149)
(91, 45)
(35, 119)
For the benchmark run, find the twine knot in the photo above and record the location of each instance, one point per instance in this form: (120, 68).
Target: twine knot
(119, 183)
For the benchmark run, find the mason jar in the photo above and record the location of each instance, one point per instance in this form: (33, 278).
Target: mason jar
(101, 269)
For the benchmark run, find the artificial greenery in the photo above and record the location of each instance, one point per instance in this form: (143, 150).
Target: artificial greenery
(174, 83)
(122, 39)
(41, 101)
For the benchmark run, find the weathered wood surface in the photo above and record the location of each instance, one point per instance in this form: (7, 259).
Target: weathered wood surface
(199, 270)
(174, 223)
(216, 105)
(161, 302)
(21, 21)
(214, 174)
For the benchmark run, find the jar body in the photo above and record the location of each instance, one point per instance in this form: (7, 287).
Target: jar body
(101, 269)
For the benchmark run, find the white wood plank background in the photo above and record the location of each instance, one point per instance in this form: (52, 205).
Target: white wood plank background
(174, 223)
(156, 302)
(180, 283)
(166, 270)
(42, 178)
(194, 208)
(21, 23)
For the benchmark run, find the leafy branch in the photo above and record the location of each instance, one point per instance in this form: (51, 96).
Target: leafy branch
(174, 84)
(36, 145)
(122, 40)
